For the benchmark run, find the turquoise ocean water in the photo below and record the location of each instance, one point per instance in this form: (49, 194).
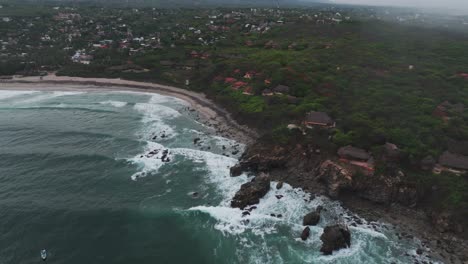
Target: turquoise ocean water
(109, 177)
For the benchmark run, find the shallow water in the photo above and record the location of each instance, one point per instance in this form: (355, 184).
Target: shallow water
(76, 179)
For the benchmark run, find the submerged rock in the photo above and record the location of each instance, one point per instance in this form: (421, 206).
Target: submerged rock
(194, 195)
(251, 192)
(312, 218)
(335, 237)
(305, 233)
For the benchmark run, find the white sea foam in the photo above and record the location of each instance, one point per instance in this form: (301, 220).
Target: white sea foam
(117, 104)
(291, 206)
(218, 167)
(157, 98)
(41, 96)
(154, 115)
(147, 163)
(254, 232)
(7, 94)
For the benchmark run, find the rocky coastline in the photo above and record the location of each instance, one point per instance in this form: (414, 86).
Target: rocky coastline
(383, 197)
(387, 198)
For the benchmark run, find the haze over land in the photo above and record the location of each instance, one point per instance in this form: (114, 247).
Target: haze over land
(365, 104)
(449, 5)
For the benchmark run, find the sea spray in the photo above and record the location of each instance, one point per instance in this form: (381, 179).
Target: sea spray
(114, 103)
(158, 217)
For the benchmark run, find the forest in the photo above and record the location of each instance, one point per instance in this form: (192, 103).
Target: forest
(381, 81)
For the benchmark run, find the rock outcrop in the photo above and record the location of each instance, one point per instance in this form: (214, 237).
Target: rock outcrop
(312, 218)
(334, 238)
(305, 233)
(250, 193)
(334, 177)
(260, 159)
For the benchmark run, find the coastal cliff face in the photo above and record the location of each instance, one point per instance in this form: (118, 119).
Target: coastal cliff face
(310, 169)
(389, 196)
(321, 173)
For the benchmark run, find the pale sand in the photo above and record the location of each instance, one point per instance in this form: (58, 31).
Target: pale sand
(213, 115)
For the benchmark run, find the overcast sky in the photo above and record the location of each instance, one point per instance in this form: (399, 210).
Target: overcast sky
(444, 4)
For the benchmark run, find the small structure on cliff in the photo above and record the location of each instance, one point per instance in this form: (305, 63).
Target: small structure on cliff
(357, 157)
(453, 162)
(320, 119)
(281, 89)
(350, 152)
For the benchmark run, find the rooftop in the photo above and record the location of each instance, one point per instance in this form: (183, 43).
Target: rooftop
(456, 161)
(318, 118)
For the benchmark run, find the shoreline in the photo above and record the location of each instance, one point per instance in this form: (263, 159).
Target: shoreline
(412, 225)
(212, 115)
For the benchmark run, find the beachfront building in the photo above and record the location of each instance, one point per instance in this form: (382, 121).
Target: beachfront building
(319, 119)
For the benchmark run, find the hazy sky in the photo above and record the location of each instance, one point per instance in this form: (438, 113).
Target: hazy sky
(445, 4)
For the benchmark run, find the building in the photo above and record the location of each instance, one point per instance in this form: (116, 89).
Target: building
(453, 161)
(318, 119)
(350, 152)
(281, 89)
(267, 92)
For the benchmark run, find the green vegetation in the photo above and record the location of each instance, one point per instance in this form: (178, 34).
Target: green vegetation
(380, 80)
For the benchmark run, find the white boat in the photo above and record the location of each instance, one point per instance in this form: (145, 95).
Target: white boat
(43, 254)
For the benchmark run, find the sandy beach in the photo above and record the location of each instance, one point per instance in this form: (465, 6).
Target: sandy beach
(211, 114)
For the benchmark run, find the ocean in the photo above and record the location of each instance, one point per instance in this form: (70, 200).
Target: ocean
(115, 177)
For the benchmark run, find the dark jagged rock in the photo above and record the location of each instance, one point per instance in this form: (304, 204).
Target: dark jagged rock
(252, 208)
(305, 233)
(196, 140)
(245, 213)
(334, 238)
(251, 192)
(335, 178)
(279, 185)
(259, 158)
(279, 196)
(236, 170)
(312, 218)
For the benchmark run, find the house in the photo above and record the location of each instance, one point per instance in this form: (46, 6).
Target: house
(239, 84)
(230, 80)
(194, 54)
(358, 158)
(267, 92)
(82, 58)
(318, 119)
(248, 90)
(350, 152)
(281, 89)
(453, 161)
